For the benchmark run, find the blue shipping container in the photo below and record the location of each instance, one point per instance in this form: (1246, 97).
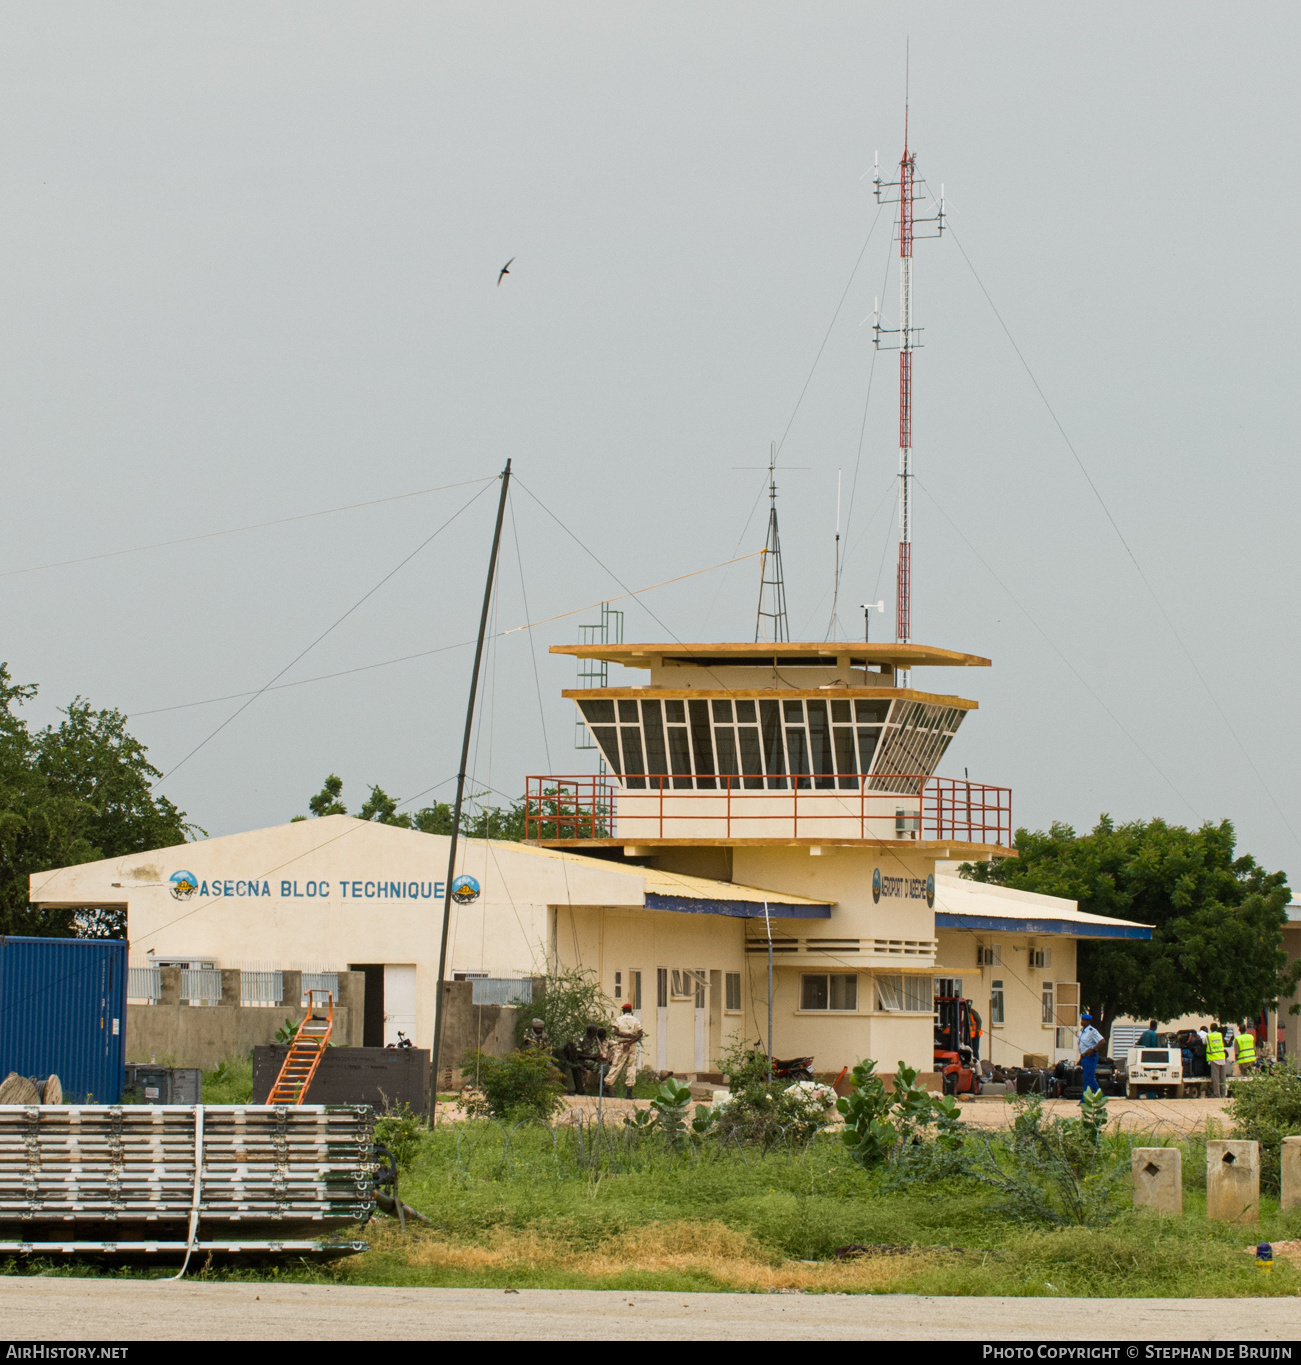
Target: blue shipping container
(63, 1013)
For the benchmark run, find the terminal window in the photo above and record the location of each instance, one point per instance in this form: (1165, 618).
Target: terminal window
(909, 994)
(996, 1002)
(807, 743)
(732, 992)
(834, 991)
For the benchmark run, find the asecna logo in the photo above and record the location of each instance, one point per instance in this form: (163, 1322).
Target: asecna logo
(183, 884)
(930, 891)
(876, 886)
(465, 890)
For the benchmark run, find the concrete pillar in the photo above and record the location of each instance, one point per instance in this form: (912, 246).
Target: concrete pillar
(232, 990)
(1158, 1176)
(1291, 1174)
(292, 993)
(352, 997)
(1233, 1181)
(169, 987)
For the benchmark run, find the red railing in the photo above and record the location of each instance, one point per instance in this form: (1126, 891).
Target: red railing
(791, 805)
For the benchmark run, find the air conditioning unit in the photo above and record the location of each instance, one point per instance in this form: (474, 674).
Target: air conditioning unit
(1041, 957)
(990, 957)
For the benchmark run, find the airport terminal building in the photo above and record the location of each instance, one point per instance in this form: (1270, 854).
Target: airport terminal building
(762, 803)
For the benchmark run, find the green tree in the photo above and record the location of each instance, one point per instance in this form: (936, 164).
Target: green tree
(1217, 944)
(477, 820)
(73, 793)
(326, 801)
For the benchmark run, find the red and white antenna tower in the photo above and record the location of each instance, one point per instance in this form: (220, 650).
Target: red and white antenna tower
(909, 191)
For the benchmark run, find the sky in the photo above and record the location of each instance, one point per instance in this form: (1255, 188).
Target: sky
(249, 257)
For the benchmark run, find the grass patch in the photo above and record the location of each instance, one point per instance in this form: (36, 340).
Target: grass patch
(515, 1214)
(533, 1207)
(230, 1082)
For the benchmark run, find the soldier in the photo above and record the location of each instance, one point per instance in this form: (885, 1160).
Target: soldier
(604, 1056)
(589, 1060)
(628, 1033)
(535, 1038)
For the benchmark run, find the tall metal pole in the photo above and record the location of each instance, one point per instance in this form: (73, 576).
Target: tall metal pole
(768, 926)
(910, 189)
(460, 790)
(903, 609)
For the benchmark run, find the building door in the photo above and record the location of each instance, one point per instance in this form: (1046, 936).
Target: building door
(702, 1018)
(661, 1018)
(399, 1001)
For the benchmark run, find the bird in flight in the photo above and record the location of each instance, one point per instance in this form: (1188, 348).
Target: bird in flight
(505, 270)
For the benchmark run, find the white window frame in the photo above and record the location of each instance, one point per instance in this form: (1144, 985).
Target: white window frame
(728, 979)
(1049, 1003)
(682, 983)
(915, 994)
(829, 1008)
(997, 1004)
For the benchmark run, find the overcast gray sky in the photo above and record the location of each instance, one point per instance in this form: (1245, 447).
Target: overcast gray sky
(248, 262)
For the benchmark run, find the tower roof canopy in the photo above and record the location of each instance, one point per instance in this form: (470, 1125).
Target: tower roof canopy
(791, 653)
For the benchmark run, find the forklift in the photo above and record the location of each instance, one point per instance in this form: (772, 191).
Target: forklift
(958, 1031)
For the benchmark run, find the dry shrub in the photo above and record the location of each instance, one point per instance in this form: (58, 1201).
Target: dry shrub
(733, 1259)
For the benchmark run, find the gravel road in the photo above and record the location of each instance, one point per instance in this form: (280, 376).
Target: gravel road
(108, 1311)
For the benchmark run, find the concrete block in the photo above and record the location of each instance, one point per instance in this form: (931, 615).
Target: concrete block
(1291, 1174)
(1158, 1176)
(1233, 1181)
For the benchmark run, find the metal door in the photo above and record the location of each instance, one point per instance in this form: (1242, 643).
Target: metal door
(702, 1018)
(399, 1001)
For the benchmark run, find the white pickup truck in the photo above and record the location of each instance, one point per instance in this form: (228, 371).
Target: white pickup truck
(1160, 1068)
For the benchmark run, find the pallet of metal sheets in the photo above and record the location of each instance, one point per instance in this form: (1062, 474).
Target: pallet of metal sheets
(100, 1171)
(271, 1247)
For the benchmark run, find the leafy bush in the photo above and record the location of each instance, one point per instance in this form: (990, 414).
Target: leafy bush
(570, 1001)
(1266, 1108)
(762, 1111)
(400, 1129)
(879, 1126)
(520, 1085)
(668, 1115)
(230, 1082)
(1058, 1172)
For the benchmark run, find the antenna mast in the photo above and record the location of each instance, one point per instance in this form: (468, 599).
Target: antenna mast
(770, 620)
(910, 189)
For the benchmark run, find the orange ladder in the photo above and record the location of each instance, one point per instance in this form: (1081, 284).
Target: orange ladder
(305, 1052)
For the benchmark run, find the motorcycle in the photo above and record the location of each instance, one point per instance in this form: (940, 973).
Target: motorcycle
(403, 1041)
(788, 1068)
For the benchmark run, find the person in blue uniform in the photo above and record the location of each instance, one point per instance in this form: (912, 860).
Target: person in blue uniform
(1090, 1042)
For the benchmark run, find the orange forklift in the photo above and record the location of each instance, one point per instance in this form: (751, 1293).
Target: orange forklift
(958, 1031)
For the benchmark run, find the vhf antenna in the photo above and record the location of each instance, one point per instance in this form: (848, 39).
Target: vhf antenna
(772, 583)
(770, 621)
(908, 190)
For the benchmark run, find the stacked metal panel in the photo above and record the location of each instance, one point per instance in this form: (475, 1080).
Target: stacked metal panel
(122, 1177)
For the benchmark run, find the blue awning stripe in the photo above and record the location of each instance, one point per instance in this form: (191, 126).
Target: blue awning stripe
(1074, 928)
(689, 905)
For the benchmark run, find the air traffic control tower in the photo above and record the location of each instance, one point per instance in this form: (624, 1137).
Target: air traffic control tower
(805, 769)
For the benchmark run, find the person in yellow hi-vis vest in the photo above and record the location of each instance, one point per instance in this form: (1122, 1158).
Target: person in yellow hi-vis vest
(1215, 1057)
(1244, 1050)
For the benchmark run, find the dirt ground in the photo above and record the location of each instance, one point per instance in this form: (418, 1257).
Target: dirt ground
(1174, 1118)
